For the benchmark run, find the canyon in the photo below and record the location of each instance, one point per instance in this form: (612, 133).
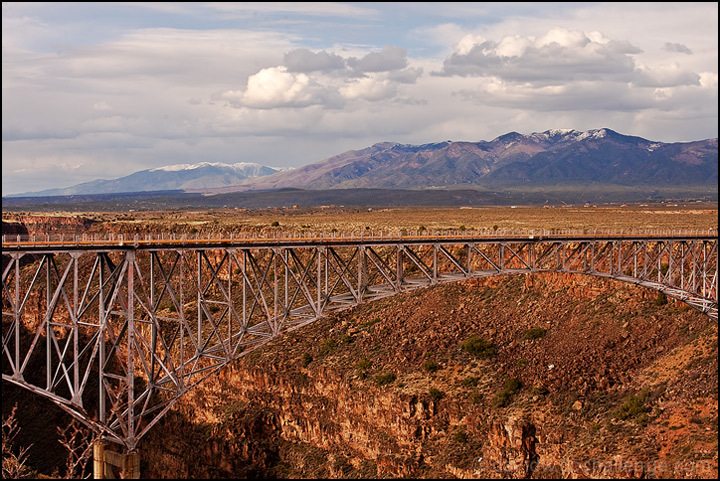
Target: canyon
(539, 375)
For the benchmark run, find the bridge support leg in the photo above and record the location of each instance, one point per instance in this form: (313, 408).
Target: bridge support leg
(109, 464)
(132, 465)
(99, 460)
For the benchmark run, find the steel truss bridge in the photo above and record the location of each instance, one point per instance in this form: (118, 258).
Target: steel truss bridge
(116, 330)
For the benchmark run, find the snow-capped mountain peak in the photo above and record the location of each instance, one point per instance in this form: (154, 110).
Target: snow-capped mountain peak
(199, 165)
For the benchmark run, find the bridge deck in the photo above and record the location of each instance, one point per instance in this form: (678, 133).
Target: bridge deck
(159, 241)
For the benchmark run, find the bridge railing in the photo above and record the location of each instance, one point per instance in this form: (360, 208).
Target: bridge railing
(15, 241)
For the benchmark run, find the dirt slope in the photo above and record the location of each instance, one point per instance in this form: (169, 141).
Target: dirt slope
(567, 376)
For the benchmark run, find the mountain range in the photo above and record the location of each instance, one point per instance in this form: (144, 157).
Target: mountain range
(203, 175)
(513, 160)
(554, 158)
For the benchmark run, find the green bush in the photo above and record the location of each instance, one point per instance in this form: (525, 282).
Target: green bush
(511, 387)
(470, 381)
(460, 436)
(327, 346)
(306, 359)
(385, 378)
(633, 408)
(478, 346)
(431, 366)
(661, 299)
(436, 394)
(534, 333)
(363, 363)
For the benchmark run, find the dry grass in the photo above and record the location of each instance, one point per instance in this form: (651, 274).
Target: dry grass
(638, 216)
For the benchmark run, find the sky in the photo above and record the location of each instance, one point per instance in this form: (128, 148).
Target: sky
(102, 90)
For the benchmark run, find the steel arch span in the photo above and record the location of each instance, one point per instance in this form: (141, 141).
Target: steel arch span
(115, 332)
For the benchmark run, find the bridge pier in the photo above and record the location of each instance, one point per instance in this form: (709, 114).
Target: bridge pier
(109, 464)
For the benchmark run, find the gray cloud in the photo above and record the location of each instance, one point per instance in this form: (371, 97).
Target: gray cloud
(303, 60)
(406, 76)
(390, 58)
(677, 48)
(667, 77)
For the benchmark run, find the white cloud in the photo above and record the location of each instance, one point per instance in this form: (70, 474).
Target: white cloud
(664, 76)
(559, 56)
(369, 88)
(275, 87)
(102, 106)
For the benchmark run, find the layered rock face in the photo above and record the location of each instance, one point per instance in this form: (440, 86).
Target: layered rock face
(576, 377)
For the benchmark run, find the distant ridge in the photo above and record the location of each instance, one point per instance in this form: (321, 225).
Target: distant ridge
(558, 159)
(203, 175)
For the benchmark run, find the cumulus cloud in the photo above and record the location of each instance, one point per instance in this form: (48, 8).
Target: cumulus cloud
(309, 78)
(677, 48)
(276, 87)
(558, 56)
(303, 60)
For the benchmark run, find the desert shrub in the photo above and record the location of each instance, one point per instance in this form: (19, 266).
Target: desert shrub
(478, 346)
(470, 381)
(661, 299)
(363, 363)
(534, 333)
(370, 323)
(306, 359)
(431, 366)
(327, 346)
(14, 459)
(460, 436)
(511, 387)
(475, 397)
(634, 408)
(275, 224)
(346, 339)
(539, 391)
(436, 394)
(385, 378)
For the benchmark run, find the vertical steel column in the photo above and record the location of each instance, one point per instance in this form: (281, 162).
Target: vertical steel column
(16, 317)
(275, 325)
(76, 396)
(399, 274)
(102, 328)
(48, 327)
(130, 259)
(362, 272)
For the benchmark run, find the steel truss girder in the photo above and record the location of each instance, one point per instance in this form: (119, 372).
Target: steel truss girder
(116, 337)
